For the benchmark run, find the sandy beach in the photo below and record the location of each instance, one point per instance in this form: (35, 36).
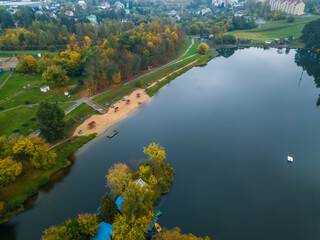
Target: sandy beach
(106, 120)
(111, 117)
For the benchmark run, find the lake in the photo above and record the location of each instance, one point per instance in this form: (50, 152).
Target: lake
(227, 129)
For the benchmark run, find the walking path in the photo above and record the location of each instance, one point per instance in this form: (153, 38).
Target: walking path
(5, 80)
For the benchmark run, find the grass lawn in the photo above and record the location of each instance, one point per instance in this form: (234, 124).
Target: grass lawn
(28, 183)
(3, 77)
(276, 29)
(73, 119)
(6, 54)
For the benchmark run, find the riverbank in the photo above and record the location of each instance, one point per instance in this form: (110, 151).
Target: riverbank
(123, 108)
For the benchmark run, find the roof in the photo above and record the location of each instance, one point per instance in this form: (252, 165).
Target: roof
(91, 123)
(118, 202)
(104, 231)
(141, 182)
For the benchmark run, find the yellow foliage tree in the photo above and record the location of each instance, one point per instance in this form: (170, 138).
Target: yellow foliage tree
(155, 152)
(130, 227)
(145, 173)
(175, 234)
(116, 77)
(203, 48)
(118, 178)
(34, 152)
(9, 170)
(87, 41)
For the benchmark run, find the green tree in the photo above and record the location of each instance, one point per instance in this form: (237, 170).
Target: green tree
(203, 48)
(290, 19)
(9, 170)
(130, 227)
(34, 152)
(55, 74)
(175, 234)
(51, 121)
(118, 177)
(108, 209)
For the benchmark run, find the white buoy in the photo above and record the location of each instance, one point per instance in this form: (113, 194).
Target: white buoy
(290, 159)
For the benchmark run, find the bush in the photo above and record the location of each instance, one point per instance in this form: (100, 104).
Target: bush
(138, 83)
(108, 209)
(290, 19)
(27, 102)
(203, 48)
(43, 180)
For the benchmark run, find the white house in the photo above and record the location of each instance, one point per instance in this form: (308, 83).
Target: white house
(238, 14)
(104, 5)
(119, 5)
(83, 4)
(172, 13)
(141, 182)
(45, 89)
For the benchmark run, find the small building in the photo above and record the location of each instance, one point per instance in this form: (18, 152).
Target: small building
(82, 4)
(92, 18)
(141, 182)
(104, 5)
(238, 14)
(45, 89)
(69, 13)
(119, 200)
(91, 124)
(268, 42)
(119, 5)
(104, 231)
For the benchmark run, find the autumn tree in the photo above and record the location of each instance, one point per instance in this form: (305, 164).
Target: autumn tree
(55, 74)
(130, 227)
(155, 152)
(116, 78)
(175, 234)
(118, 177)
(146, 174)
(45, 61)
(51, 121)
(203, 48)
(9, 170)
(137, 200)
(82, 228)
(108, 209)
(34, 152)
(26, 64)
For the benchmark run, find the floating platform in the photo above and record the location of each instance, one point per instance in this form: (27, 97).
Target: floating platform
(113, 134)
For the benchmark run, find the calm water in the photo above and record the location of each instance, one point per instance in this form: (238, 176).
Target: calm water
(227, 129)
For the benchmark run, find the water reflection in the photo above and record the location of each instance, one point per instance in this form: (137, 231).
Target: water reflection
(310, 62)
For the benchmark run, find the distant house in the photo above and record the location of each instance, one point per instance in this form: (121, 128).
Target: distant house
(52, 15)
(69, 13)
(268, 41)
(82, 4)
(205, 11)
(238, 14)
(172, 13)
(45, 89)
(119, 5)
(104, 5)
(178, 17)
(92, 18)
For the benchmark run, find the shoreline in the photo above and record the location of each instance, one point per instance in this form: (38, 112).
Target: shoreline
(106, 120)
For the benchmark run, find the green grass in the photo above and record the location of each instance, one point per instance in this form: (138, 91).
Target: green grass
(6, 54)
(28, 183)
(185, 46)
(21, 120)
(3, 77)
(275, 29)
(73, 119)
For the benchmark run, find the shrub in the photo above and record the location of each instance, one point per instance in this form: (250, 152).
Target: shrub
(138, 83)
(203, 48)
(290, 19)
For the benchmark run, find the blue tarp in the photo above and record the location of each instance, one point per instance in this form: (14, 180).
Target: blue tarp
(154, 222)
(118, 203)
(104, 231)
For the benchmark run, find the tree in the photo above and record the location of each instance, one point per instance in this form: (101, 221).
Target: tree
(203, 48)
(82, 228)
(51, 121)
(155, 152)
(118, 177)
(145, 173)
(175, 234)
(311, 34)
(34, 152)
(108, 209)
(9, 170)
(130, 227)
(290, 19)
(55, 74)
(26, 64)
(116, 77)
(6, 20)
(137, 200)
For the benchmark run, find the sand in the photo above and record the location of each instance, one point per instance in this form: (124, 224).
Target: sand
(106, 120)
